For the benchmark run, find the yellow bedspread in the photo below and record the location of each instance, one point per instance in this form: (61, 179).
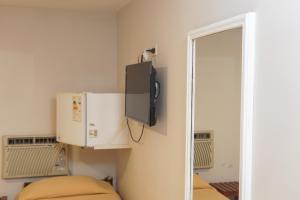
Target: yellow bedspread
(69, 188)
(203, 191)
(89, 197)
(207, 194)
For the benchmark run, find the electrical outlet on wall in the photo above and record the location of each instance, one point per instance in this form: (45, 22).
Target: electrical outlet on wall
(150, 53)
(227, 165)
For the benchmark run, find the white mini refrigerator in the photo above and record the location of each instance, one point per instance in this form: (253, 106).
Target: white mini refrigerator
(92, 120)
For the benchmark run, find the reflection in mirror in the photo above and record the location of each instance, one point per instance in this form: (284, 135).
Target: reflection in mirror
(217, 99)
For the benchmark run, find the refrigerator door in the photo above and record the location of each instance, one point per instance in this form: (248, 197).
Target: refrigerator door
(106, 125)
(71, 118)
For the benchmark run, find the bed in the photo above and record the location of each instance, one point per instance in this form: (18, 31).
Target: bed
(69, 188)
(203, 191)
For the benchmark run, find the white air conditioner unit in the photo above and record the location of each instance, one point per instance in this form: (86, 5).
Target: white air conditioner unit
(33, 156)
(203, 150)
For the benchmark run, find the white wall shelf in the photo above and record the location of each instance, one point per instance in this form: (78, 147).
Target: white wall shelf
(120, 146)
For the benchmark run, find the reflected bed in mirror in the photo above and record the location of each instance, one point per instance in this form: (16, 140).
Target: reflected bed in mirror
(204, 191)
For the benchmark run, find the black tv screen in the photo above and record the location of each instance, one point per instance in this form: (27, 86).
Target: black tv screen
(140, 93)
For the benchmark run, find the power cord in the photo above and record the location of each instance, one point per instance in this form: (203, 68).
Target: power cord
(132, 138)
(142, 58)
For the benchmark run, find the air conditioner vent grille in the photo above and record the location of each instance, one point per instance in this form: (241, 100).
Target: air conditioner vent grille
(203, 150)
(33, 156)
(31, 140)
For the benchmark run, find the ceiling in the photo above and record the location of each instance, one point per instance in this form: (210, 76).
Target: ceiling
(103, 5)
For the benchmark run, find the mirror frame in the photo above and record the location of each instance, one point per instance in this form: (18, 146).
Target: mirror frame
(247, 23)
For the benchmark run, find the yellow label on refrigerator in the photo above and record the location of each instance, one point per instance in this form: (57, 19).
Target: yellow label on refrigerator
(77, 108)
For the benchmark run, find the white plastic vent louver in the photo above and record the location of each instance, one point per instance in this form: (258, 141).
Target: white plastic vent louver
(33, 156)
(203, 150)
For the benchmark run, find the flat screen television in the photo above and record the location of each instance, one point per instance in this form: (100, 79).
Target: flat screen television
(142, 91)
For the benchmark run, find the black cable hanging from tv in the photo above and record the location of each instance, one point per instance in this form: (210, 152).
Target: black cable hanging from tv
(141, 135)
(130, 132)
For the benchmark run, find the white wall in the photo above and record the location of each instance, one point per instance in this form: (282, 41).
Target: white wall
(217, 100)
(43, 52)
(155, 168)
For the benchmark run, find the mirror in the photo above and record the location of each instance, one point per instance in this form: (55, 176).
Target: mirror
(217, 115)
